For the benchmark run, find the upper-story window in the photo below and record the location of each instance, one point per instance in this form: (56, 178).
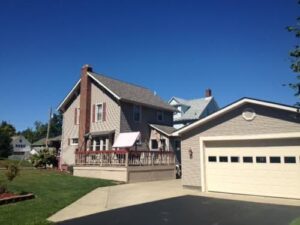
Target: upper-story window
(137, 113)
(99, 112)
(76, 116)
(159, 116)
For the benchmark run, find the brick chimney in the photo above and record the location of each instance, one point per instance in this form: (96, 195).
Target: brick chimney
(208, 92)
(85, 106)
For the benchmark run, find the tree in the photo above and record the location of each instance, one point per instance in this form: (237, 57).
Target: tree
(40, 129)
(6, 132)
(56, 125)
(295, 58)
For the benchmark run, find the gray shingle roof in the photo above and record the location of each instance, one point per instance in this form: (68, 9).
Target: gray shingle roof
(196, 107)
(42, 142)
(164, 128)
(132, 92)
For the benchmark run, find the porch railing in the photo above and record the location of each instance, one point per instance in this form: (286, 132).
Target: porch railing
(124, 158)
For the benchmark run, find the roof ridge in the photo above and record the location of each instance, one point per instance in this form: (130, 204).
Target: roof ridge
(202, 98)
(126, 82)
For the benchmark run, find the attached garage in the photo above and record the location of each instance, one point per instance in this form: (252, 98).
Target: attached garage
(269, 167)
(228, 152)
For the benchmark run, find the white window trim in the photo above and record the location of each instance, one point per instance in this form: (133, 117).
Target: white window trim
(72, 143)
(162, 116)
(96, 113)
(104, 141)
(140, 110)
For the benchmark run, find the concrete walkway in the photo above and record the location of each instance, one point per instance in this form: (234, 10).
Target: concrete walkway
(107, 198)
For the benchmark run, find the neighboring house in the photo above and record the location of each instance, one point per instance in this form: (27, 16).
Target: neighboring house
(249, 147)
(189, 111)
(21, 148)
(53, 143)
(100, 108)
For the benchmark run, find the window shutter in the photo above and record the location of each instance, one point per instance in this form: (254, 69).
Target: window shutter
(104, 112)
(93, 113)
(69, 141)
(75, 116)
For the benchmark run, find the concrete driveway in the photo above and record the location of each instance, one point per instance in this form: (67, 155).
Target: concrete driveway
(166, 202)
(107, 198)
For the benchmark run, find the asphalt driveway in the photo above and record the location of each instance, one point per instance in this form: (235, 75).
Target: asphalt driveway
(192, 210)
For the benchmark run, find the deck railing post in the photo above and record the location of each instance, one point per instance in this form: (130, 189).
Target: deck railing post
(126, 158)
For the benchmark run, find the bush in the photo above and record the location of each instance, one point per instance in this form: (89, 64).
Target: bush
(11, 173)
(43, 158)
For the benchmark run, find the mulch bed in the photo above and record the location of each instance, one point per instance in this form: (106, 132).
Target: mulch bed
(6, 198)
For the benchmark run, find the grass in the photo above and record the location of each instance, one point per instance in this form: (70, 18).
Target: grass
(53, 191)
(296, 221)
(22, 163)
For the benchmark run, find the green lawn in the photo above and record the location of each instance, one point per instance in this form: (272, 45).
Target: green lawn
(22, 163)
(295, 222)
(53, 191)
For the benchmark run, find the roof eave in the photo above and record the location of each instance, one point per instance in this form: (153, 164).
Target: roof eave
(156, 128)
(68, 95)
(233, 106)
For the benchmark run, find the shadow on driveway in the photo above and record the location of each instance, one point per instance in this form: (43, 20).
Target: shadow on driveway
(193, 210)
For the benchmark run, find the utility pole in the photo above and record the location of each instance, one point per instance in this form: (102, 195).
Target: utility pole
(48, 128)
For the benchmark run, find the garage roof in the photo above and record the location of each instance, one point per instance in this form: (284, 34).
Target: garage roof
(233, 106)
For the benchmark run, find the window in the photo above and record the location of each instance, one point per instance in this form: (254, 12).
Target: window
(74, 141)
(212, 159)
(19, 146)
(137, 113)
(160, 116)
(154, 144)
(76, 116)
(96, 144)
(247, 159)
(139, 141)
(261, 159)
(99, 112)
(289, 159)
(275, 159)
(163, 144)
(177, 145)
(104, 147)
(100, 144)
(223, 159)
(18, 153)
(234, 159)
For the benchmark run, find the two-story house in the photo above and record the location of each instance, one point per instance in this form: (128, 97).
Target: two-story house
(20, 147)
(99, 108)
(191, 110)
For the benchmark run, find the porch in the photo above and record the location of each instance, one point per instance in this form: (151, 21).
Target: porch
(125, 165)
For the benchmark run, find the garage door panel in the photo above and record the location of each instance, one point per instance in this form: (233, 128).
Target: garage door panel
(267, 179)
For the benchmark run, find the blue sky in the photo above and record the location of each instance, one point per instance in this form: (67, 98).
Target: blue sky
(177, 48)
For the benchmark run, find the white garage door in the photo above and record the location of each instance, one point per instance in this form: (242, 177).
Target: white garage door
(260, 169)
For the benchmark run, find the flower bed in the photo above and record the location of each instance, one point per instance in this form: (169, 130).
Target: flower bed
(6, 198)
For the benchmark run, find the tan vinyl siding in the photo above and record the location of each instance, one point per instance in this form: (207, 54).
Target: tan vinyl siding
(267, 121)
(148, 115)
(69, 130)
(112, 121)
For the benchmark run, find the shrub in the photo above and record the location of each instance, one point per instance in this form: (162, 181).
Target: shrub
(11, 173)
(43, 158)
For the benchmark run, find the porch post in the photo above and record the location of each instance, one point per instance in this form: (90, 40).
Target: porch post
(126, 159)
